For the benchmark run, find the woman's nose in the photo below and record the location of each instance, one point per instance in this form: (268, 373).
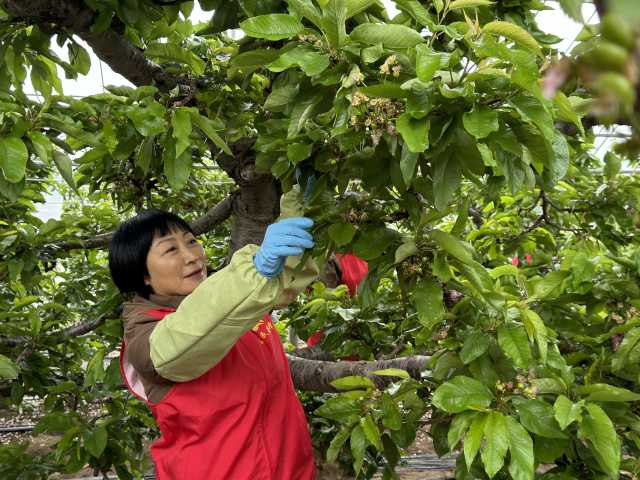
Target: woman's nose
(189, 255)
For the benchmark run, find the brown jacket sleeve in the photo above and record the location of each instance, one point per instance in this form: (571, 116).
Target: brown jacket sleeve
(137, 329)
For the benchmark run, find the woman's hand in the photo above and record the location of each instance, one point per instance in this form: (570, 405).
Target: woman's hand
(282, 239)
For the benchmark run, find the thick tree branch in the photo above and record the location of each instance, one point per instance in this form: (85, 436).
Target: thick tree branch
(214, 217)
(315, 375)
(75, 330)
(113, 48)
(312, 353)
(257, 203)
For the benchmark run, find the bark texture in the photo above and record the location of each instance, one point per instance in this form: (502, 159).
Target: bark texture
(317, 375)
(257, 203)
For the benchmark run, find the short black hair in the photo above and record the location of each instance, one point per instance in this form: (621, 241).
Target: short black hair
(130, 244)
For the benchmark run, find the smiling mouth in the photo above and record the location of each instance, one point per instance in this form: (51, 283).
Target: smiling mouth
(193, 274)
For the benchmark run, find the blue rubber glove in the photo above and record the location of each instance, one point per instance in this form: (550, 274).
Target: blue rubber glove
(282, 239)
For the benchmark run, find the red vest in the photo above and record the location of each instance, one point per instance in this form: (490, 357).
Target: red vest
(241, 420)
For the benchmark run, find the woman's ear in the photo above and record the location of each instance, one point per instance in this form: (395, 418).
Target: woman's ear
(147, 280)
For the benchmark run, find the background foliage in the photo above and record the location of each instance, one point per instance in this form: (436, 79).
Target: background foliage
(452, 149)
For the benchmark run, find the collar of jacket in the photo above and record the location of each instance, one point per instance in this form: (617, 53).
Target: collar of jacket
(154, 301)
(166, 300)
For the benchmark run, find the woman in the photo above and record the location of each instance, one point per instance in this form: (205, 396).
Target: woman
(203, 352)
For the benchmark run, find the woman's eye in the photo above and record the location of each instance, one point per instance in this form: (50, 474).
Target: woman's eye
(171, 249)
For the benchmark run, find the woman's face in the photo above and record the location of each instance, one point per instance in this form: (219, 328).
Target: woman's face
(176, 263)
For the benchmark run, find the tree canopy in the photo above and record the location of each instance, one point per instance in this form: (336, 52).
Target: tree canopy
(452, 149)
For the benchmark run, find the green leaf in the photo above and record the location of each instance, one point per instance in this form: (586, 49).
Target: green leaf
(338, 408)
(149, 121)
(533, 111)
(13, 158)
(418, 11)
(386, 89)
(457, 4)
(459, 427)
(181, 123)
(503, 270)
(601, 392)
(391, 36)
(297, 152)
(536, 330)
(566, 111)
(549, 285)
(372, 54)
(57, 422)
(79, 58)
(302, 111)
(481, 122)
(354, 7)
(405, 251)
(353, 382)
(8, 369)
(42, 145)
(628, 352)
(391, 417)
(44, 75)
(408, 163)
(440, 268)
(496, 443)
(250, 61)
(514, 33)
(358, 447)
(95, 369)
(311, 61)
(612, 165)
(63, 162)
(95, 441)
(333, 22)
(391, 372)
(176, 53)
(599, 431)
(473, 439)
(557, 163)
(415, 132)
(337, 442)
(453, 246)
(372, 243)
(538, 417)
(447, 174)
(177, 169)
(276, 26)
(144, 154)
(428, 298)
(428, 61)
(207, 126)
(514, 343)
(371, 432)
(474, 347)
(566, 412)
(462, 393)
(341, 233)
(306, 9)
(521, 466)
(573, 8)
(280, 98)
